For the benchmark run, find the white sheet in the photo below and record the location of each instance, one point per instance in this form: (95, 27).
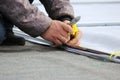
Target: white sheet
(101, 38)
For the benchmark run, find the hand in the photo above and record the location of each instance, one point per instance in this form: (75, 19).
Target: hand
(76, 40)
(58, 33)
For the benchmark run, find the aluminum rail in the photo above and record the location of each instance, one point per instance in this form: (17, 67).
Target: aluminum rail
(105, 24)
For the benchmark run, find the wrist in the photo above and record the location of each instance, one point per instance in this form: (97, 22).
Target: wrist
(64, 18)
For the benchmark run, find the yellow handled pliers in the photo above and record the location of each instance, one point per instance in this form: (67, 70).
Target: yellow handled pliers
(74, 26)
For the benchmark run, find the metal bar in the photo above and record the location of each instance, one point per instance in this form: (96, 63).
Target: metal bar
(78, 50)
(98, 24)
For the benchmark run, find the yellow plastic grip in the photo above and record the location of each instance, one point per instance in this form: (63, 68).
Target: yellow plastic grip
(114, 54)
(75, 30)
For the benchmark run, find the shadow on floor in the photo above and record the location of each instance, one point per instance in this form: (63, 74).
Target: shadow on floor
(28, 47)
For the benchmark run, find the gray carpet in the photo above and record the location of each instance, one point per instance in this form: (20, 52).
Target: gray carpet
(35, 62)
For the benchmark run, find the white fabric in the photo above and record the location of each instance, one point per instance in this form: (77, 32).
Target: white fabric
(101, 38)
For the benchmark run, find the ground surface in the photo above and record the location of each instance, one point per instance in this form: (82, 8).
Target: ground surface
(35, 62)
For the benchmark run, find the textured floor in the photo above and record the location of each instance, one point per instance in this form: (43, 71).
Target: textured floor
(35, 62)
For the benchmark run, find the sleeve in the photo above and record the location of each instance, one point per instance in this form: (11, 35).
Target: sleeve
(25, 16)
(58, 9)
